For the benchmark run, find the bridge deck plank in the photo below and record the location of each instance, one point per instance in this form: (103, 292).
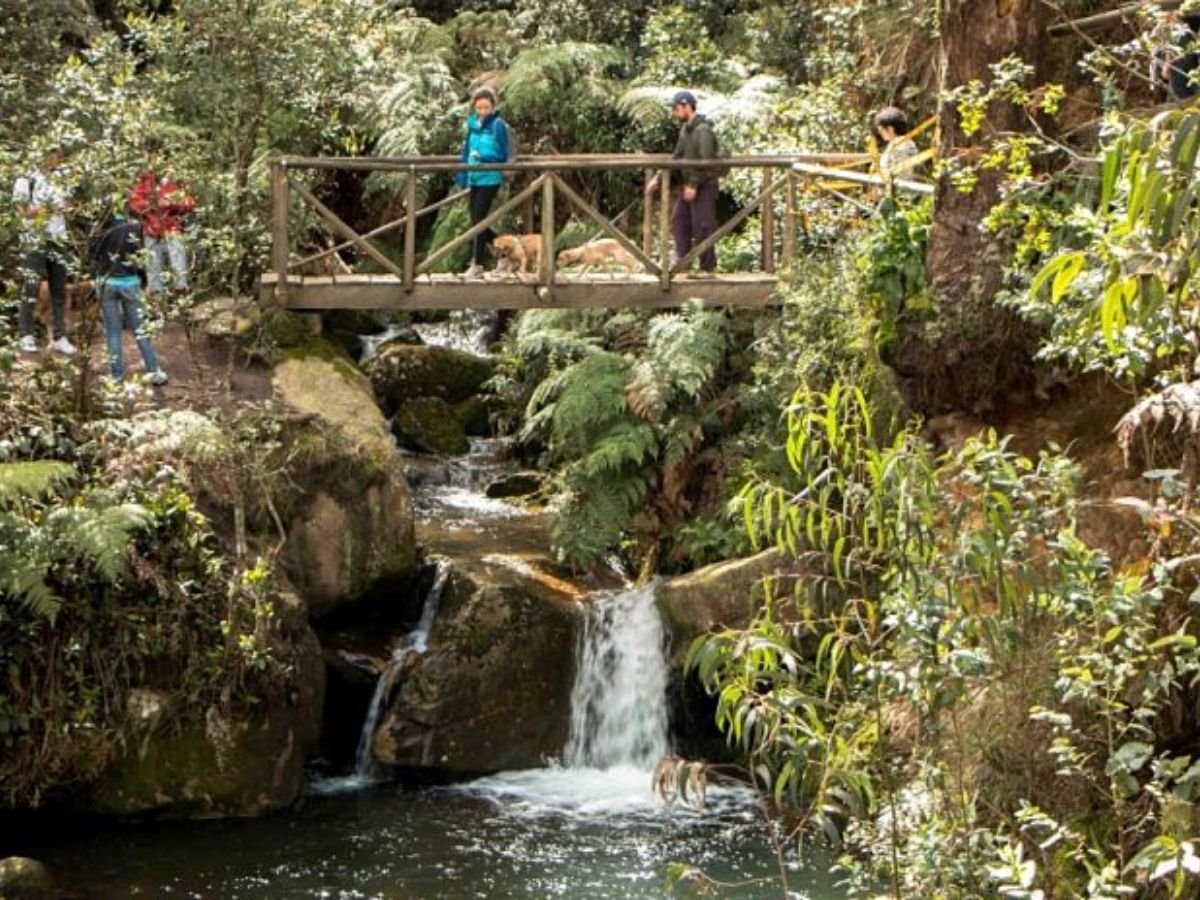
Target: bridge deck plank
(367, 291)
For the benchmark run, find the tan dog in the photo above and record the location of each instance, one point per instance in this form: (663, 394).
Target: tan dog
(605, 252)
(514, 252)
(82, 305)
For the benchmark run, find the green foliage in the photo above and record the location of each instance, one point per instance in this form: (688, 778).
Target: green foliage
(891, 262)
(680, 51)
(1121, 300)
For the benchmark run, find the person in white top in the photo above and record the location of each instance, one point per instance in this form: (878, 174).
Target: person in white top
(42, 202)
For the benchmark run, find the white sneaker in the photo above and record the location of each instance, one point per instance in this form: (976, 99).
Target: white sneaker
(474, 273)
(64, 346)
(28, 344)
(157, 378)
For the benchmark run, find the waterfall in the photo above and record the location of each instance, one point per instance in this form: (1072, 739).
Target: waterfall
(416, 641)
(618, 702)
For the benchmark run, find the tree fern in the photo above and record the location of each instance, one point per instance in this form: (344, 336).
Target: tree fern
(32, 479)
(627, 444)
(540, 76)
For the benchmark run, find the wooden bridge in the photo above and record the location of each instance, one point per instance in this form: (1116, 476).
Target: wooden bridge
(406, 279)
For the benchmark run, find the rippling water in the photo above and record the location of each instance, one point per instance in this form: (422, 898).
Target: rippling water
(544, 833)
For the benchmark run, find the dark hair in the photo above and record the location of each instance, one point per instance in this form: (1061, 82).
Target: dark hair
(485, 93)
(152, 144)
(892, 117)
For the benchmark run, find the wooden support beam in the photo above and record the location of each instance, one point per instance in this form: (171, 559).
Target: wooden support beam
(1126, 13)
(664, 229)
(568, 292)
(383, 229)
(607, 227)
(410, 231)
(647, 214)
(789, 220)
(332, 218)
(916, 187)
(546, 261)
(768, 222)
(479, 228)
(279, 227)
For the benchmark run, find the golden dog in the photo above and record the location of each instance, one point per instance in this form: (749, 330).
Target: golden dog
(605, 252)
(515, 251)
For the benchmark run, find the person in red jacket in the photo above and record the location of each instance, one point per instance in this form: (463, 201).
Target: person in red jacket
(161, 203)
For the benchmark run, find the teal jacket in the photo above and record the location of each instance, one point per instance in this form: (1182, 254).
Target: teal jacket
(486, 142)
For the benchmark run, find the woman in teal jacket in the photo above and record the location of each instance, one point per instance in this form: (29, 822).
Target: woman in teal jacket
(486, 142)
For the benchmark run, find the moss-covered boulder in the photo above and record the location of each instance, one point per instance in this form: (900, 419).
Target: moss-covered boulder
(243, 762)
(725, 595)
(22, 878)
(493, 690)
(472, 416)
(515, 484)
(402, 372)
(350, 530)
(429, 424)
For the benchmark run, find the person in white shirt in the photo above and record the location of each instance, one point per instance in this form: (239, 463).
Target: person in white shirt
(891, 128)
(42, 202)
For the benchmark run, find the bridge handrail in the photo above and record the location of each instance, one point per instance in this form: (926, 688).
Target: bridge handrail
(779, 172)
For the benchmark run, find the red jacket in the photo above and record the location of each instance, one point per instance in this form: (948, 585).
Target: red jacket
(161, 204)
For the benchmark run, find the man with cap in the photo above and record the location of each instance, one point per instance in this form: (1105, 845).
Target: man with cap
(694, 217)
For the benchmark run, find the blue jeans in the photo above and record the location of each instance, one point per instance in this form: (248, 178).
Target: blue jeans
(122, 301)
(166, 254)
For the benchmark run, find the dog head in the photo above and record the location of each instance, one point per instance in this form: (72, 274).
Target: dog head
(569, 257)
(505, 246)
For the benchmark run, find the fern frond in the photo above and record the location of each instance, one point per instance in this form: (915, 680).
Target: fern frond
(623, 445)
(23, 578)
(100, 535)
(591, 398)
(540, 76)
(32, 480)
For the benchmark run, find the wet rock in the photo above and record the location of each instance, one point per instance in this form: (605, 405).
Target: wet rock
(518, 484)
(430, 425)
(22, 878)
(401, 372)
(725, 595)
(350, 525)
(493, 690)
(472, 416)
(243, 762)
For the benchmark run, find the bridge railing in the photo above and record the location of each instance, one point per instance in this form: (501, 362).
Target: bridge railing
(774, 174)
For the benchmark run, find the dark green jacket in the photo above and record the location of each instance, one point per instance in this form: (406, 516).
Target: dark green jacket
(697, 141)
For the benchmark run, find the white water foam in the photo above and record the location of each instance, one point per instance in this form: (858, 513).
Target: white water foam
(618, 722)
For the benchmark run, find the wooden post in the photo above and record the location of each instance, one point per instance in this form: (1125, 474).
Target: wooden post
(527, 217)
(279, 230)
(664, 228)
(768, 221)
(410, 230)
(647, 214)
(789, 220)
(546, 273)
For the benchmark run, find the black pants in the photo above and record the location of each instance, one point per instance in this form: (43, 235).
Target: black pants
(482, 197)
(46, 261)
(694, 220)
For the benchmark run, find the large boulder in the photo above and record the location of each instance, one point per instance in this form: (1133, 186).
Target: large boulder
(429, 424)
(242, 762)
(350, 529)
(493, 690)
(724, 595)
(21, 878)
(401, 372)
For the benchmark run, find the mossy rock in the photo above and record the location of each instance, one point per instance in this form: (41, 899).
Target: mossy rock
(283, 329)
(493, 689)
(429, 424)
(472, 415)
(516, 484)
(249, 763)
(22, 878)
(403, 371)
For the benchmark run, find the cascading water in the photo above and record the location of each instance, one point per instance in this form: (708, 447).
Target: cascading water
(618, 703)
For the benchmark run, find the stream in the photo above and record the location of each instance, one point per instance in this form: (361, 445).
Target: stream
(585, 826)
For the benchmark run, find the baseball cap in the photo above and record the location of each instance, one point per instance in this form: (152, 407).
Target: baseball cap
(684, 97)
